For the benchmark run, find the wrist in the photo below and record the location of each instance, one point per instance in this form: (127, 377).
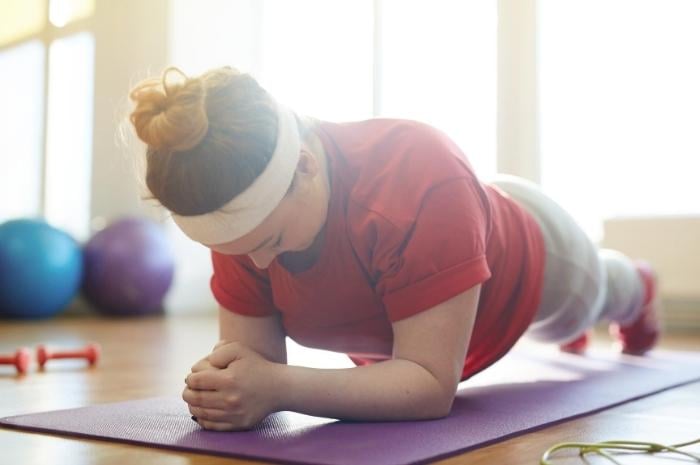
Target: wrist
(280, 385)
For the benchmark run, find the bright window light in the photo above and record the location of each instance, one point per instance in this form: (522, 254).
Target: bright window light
(21, 113)
(62, 12)
(620, 105)
(21, 18)
(439, 66)
(69, 133)
(317, 56)
(225, 32)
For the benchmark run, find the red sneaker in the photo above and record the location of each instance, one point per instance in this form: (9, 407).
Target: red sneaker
(577, 346)
(642, 335)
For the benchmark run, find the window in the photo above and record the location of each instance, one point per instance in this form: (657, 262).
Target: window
(63, 12)
(69, 133)
(21, 19)
(439, 66)
(319, 63)
(341, 60)
(22, 71)
(226, 32)
(46, 158)
(619, 107)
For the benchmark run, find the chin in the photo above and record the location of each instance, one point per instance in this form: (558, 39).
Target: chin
(304, 246)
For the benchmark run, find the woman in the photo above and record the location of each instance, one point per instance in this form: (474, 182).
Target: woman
(371, 238)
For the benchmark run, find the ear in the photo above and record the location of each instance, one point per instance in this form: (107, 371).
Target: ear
(308, 164)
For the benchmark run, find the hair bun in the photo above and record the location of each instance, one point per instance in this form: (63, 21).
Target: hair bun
(170, 116)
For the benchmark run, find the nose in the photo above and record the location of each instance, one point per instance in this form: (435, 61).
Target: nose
(262, 259)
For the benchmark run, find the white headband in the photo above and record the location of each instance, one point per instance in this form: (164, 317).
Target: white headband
(250, 208)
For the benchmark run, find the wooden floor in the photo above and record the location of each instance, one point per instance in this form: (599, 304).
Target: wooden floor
(150, 357)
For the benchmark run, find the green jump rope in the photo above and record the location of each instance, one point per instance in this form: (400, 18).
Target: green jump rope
(630, 446)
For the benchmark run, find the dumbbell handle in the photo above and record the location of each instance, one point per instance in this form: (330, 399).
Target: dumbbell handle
(74, 354)
(90, 352)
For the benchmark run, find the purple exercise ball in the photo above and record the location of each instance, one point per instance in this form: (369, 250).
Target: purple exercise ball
(128, 268)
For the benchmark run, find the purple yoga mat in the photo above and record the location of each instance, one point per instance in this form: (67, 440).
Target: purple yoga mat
(521, 393)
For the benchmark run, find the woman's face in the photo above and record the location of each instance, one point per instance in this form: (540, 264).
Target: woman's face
(294, 224)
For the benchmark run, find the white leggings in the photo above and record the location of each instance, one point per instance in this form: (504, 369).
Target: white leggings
(582, 285)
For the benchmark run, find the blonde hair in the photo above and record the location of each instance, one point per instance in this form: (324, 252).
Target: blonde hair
(208, 137)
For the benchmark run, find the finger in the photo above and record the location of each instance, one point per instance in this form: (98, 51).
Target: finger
(202, 365)
(210, 414)
(216, 426)
(208, 399)
(226, 354)
(207, 380)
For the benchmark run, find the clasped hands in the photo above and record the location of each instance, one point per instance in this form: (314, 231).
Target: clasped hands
(232, 389)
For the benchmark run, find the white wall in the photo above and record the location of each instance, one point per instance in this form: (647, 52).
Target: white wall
(518, 118)
(672, 245)
(130, 40)
(131, 43)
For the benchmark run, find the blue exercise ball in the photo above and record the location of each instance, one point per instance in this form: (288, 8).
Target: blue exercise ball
(40, 269)
(129, 267)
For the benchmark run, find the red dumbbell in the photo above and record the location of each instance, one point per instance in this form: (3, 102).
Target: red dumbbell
(90, 352)
(20, 360)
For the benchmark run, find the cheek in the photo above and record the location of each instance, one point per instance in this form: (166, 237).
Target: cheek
(300, 236)
(302, 226)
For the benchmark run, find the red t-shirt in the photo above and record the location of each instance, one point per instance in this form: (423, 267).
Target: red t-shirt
(409, 226)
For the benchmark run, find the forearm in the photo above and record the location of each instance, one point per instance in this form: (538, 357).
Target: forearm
(390, 390)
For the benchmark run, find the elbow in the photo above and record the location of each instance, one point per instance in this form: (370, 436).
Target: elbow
(439, 406)
(432, 405)
(443, 406)
(444, 397)
(433, 396)
(436, 411)
(441, 398)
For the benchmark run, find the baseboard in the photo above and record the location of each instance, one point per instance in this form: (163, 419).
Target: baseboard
(681, 314)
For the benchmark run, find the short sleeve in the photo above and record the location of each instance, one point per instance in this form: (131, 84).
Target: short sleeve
(440, 256)
(239, 286)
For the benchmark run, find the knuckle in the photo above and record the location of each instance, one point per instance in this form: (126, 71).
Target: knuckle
(231, 379)
(199, 366)
(219, 416)
(232, 401)
(193, 383)
(194, 397)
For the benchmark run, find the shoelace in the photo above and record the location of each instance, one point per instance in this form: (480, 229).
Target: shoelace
(633, 446)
